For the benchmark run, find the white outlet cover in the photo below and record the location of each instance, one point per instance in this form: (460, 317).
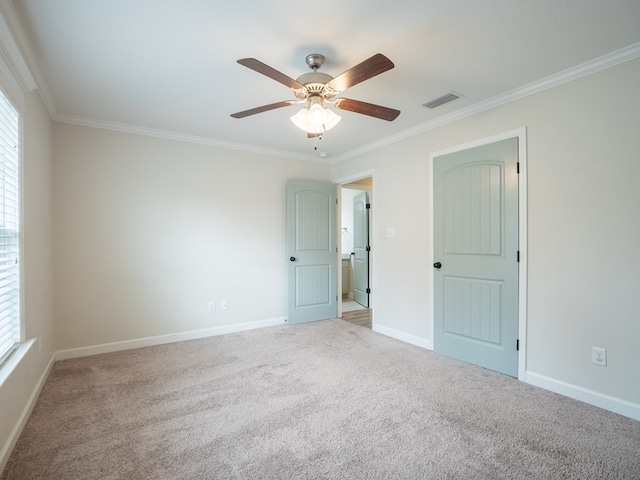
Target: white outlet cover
(599, 356)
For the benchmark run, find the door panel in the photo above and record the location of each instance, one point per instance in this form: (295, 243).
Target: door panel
(473, 209)
(313, 286)
(473, 308)
(360, 247)
(311, 248)
(476, 242)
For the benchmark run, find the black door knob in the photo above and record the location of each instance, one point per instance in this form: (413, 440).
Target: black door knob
(293, 259)
(437, 265)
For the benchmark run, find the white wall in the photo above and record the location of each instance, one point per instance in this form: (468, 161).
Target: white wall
(148, 231)
(37, 278)
(583, 227)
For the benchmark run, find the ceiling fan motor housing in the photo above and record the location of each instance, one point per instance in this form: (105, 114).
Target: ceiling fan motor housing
(314, 83)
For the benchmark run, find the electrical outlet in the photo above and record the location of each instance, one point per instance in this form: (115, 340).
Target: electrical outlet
(224, 304)
(211, 307)
(599, 356)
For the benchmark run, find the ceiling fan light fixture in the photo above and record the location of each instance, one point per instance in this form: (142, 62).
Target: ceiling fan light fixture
(300, 119)
(316, 118)
(317, 115)
(332, 119)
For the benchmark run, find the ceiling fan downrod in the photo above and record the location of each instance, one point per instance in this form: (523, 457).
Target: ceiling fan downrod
(314, 60)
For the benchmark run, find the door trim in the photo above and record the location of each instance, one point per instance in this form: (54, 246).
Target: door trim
(521, 135)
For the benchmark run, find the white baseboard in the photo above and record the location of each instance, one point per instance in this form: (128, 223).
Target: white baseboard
(7, 448)
(613, 404)
(404, 337)
(162, 339)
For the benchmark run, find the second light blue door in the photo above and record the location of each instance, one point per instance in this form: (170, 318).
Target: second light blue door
(311, 251)
(476, 255)
(361, 249)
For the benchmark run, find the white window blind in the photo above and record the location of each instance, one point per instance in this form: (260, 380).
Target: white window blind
(9, 238)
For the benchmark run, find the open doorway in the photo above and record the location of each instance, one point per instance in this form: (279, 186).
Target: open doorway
(356, 269)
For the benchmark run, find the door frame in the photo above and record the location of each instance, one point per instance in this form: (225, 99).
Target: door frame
(521, 135)
(372, 221)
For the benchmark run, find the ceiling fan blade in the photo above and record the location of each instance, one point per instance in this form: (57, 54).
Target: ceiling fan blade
(363, 71)
(313, 135)
(265, 69)
(365, 108)
(263, 108)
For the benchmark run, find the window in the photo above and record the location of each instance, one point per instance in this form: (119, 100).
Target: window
(9, 234)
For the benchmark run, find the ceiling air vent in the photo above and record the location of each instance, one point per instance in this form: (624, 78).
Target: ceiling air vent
(449, 97)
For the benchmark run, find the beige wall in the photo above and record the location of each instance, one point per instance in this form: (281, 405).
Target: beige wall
(148, 231)
(36, 270)
(583, 227)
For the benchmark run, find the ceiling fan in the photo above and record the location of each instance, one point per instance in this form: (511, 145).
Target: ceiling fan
(317, 88)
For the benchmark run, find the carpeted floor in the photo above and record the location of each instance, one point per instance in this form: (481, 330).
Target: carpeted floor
(326, 400)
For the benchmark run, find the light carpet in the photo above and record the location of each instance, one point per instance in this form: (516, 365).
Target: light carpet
(325, 400)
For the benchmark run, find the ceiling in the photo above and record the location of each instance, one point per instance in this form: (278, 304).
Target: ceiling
(168, 67)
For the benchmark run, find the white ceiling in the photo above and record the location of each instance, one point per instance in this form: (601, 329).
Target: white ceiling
(169, 66)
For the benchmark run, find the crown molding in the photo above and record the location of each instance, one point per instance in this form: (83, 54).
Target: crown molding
(14, 73)
(10, 47)
(181, 137)
(15, 46)
(584, 69)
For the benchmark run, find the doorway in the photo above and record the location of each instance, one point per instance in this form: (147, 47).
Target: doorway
(355, 228)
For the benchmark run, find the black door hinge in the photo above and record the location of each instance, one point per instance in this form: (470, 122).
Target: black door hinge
(368, 249)
(368, 205)
(518, 256)
(517, 167)
(368, 290)
(518, 345)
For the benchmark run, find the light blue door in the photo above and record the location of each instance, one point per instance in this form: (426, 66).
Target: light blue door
(476, 255)
(311, 251)
(361, 249)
